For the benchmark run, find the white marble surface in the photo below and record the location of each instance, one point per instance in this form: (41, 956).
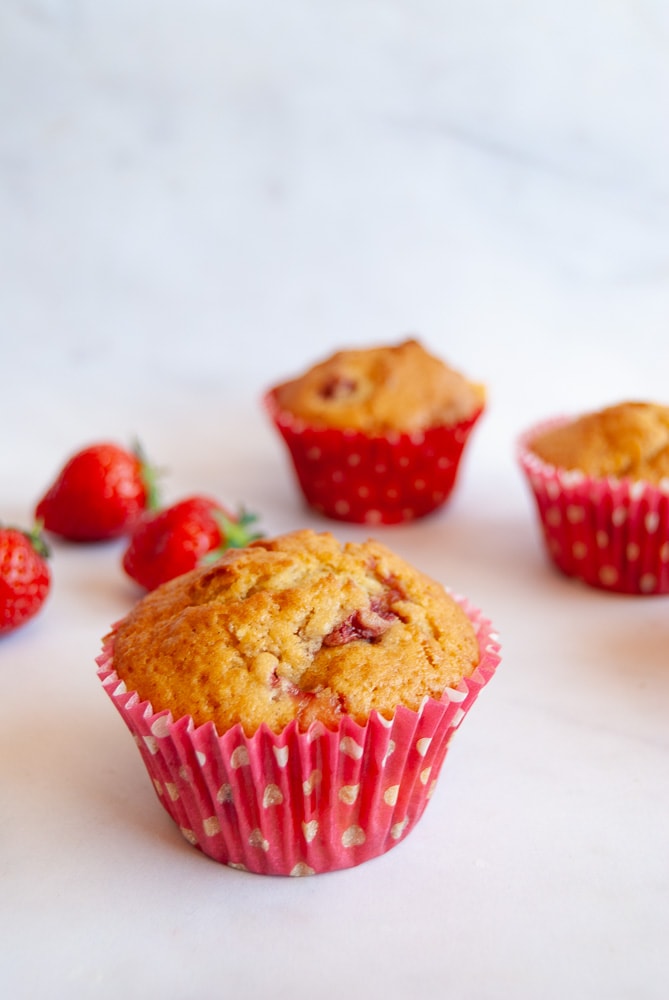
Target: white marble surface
(198, 198)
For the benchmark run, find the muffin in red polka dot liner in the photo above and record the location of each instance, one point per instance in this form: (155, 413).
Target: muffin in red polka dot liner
(333, 787)
(376, 435)
(600, 483)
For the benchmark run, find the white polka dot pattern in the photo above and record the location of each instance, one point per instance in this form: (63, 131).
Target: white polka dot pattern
(351, 748)
(398, 830)
(172, 790)
(353, 836)
(256, 839)
(302, 869)
(160, 727)
(239, 757)
(349, 793)
(313, 781)
(224, 793)
(609, 533)
(310, 830)
(391, 794)
(383, 479)
(211, 826)
(300, 803)
(272, 796)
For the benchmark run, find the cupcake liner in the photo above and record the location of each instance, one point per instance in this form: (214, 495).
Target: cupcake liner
(351, 476)
(299, 803)
(612, 534)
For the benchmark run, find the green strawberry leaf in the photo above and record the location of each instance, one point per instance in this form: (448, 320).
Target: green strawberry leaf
(151, 476)
(235, 533)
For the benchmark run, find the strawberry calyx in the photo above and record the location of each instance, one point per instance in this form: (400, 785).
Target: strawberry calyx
(36, 538)
(34, 535)
(150, 476)
(235, 532)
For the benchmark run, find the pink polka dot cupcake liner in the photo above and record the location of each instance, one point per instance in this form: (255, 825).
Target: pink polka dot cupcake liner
(612, 534)
(351, 476)
(299, 803)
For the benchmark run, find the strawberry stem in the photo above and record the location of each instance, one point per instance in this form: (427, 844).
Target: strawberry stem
(235, 533)
(34, 536)
(37, 540)
(150, 477)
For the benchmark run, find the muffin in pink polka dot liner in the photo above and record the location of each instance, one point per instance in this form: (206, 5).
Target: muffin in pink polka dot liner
(320, 793)
(376, 435)
(609, 530)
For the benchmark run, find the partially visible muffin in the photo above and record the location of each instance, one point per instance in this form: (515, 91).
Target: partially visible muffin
(601, 486)
(294, 702)
(298, 627)
(380, 389)
(376, 434)
(628, 440)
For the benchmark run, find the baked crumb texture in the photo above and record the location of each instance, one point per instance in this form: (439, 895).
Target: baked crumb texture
(601, 486)
(299, 627)
(628, 440)
(376, 436)
(302, 800)
(378, 390)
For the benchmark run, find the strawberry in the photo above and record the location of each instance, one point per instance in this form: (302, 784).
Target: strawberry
(176, 539)
(99, 494)
(25, 578)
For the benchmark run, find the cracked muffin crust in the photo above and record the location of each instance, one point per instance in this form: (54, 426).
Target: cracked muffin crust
(381, 389)
(297, 627)
(628, 440)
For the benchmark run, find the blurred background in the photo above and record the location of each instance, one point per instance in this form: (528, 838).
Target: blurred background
(221, 191)
(199, 199)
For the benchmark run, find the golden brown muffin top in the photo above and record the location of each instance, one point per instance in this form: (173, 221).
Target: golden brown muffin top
(628, 440)
(381, 389)
(296, 627)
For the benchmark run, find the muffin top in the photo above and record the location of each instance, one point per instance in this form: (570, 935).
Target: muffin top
(380, 389)
(628, 440)
(296, 627)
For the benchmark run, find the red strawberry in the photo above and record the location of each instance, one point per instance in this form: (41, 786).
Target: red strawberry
(178, 538)
(99, 494)
(24, 576)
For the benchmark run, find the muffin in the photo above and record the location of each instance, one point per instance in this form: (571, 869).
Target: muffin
(293, 702)
(376, 435)
(601, 486)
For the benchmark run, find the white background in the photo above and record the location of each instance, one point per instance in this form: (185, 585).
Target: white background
(198, 199)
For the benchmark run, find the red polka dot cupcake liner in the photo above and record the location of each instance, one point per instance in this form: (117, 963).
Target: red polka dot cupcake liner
(299, 803)
(383, 479)
(612, 534)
